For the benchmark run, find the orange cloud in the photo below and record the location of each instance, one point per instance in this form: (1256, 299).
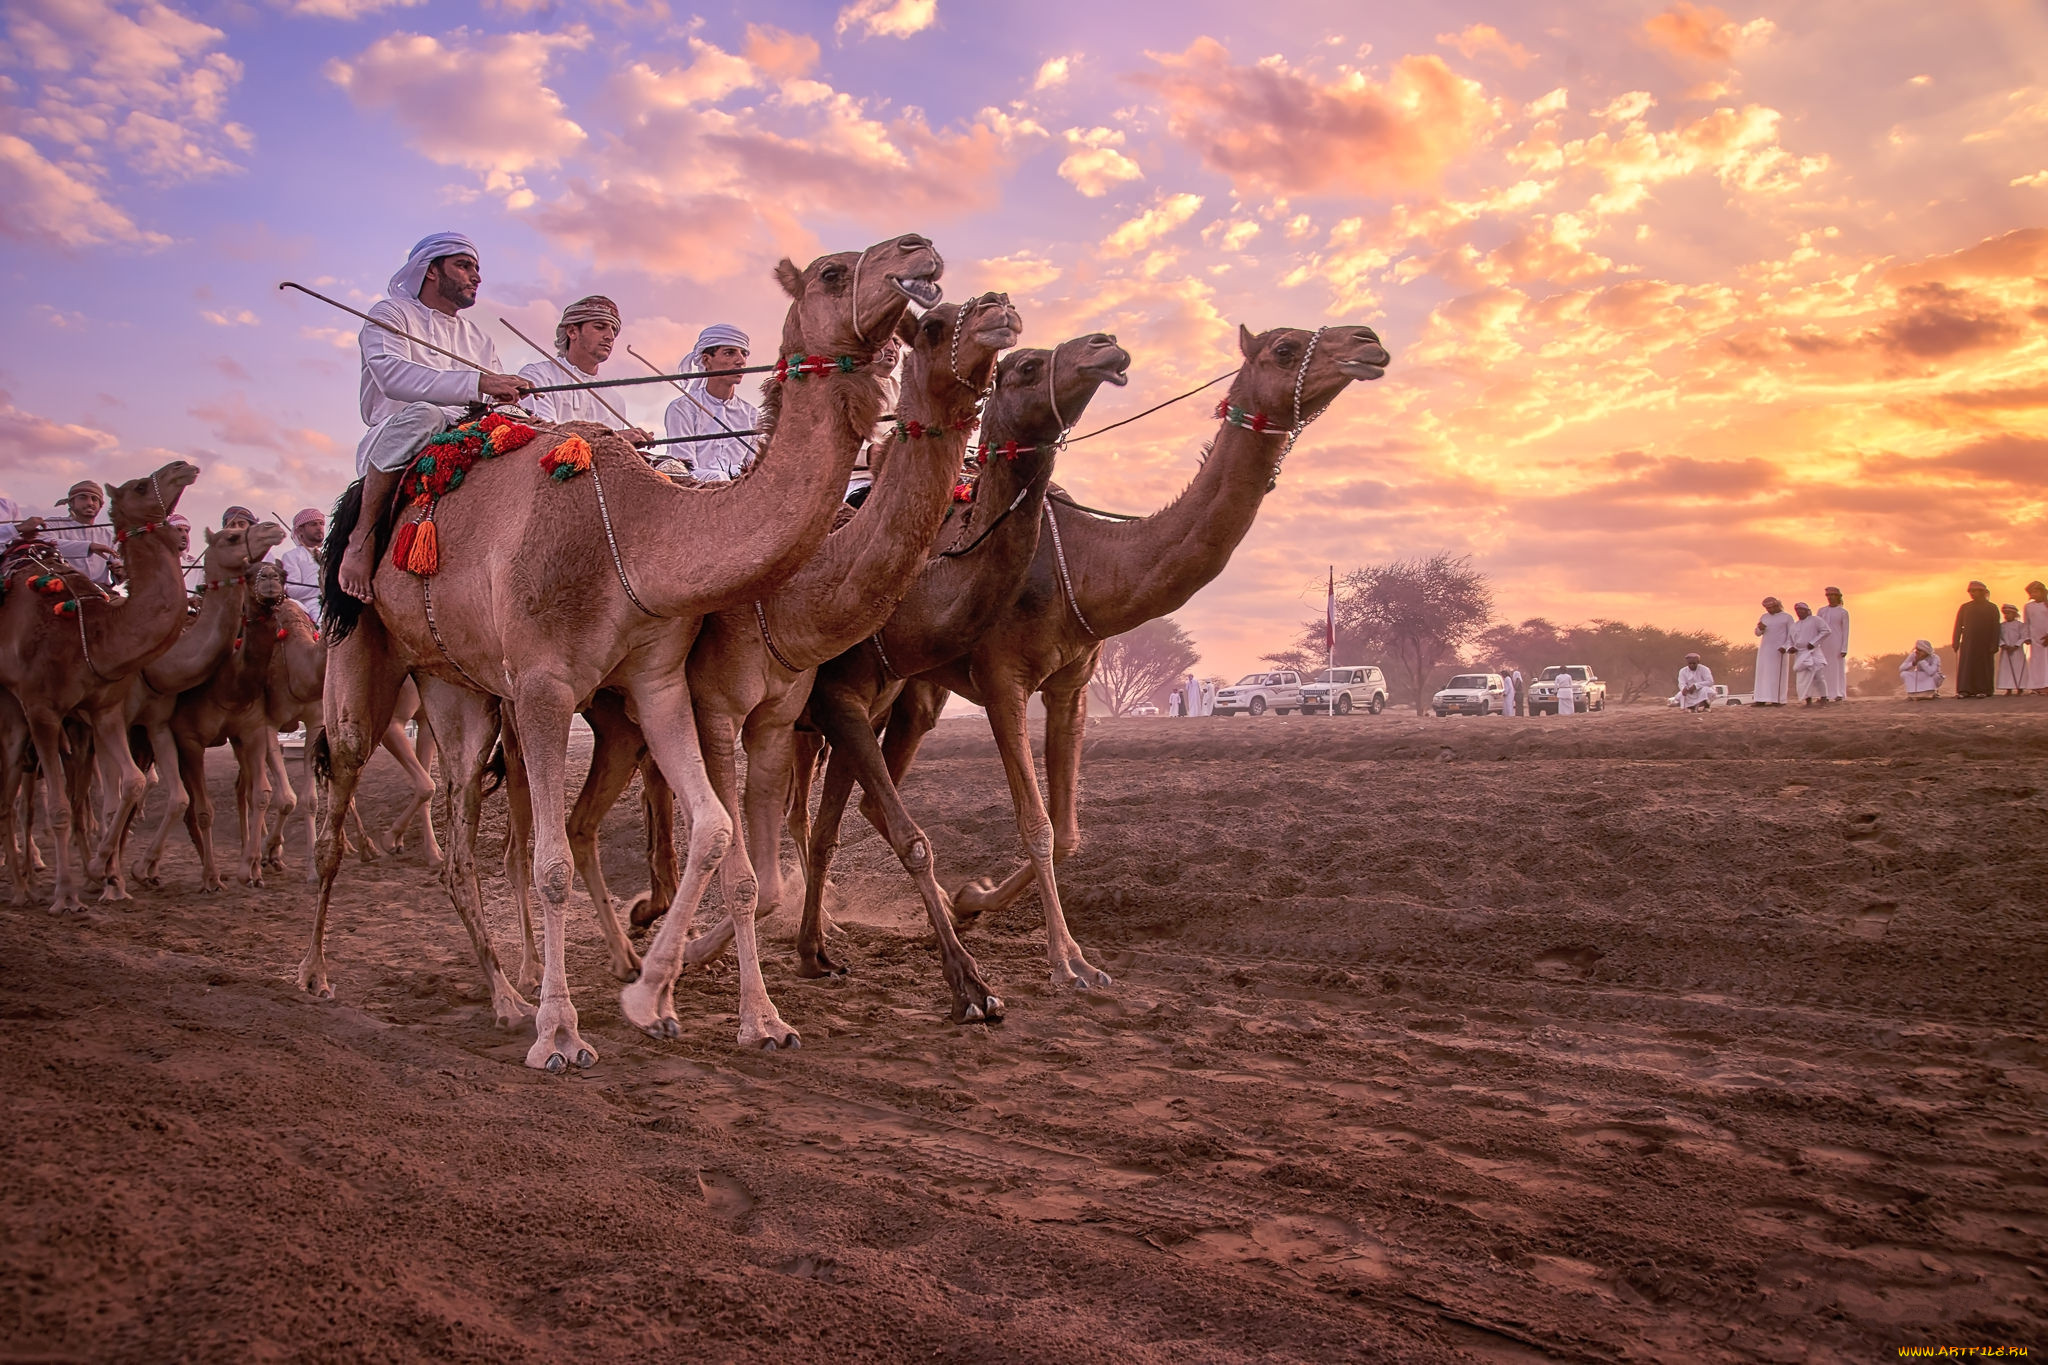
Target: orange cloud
(1274, 128)
(1477, 40)
(485, 104)
(1703, 33)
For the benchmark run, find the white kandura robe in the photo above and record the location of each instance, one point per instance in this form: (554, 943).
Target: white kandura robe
(1191, 696)
(398, 374)
(717, 460)
(1922, 675)
(576, 405)
(1812, 643)
(74, 539)
(1773, 676)
(2035, 615)
(10, 513)
(2012, 655)
(1838, 650)
(1507, 694)
(1695, 685)
(1567, 695)
(302, 579)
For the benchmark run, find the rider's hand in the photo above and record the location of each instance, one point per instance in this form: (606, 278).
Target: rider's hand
(506, 388)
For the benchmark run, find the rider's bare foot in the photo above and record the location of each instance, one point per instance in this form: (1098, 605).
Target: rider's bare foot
(357, 569)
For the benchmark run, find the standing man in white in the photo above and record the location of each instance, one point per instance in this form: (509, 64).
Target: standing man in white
(2035, 615)
(1837, 617)
(1773, 655)
(2012, 652)
(1811, 649)
(1567, 693)
(1507, 690)
(1695, 685)
(708, 407)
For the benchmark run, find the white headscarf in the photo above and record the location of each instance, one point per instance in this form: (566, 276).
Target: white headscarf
(406, 283)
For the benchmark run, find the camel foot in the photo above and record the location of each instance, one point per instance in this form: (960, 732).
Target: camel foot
(558, 1043)
(369, 852)
(68, 903)
(529, 974)
(274, 861)
(313, 977)
(971, 899)
(1072, 969)
(973, 1001)
(509, 1009)
(650, 1009)
(815, 963)
(211, 881)
(253, 879)
(114, 891)
(642, 912)
(768, 1033)
(625, 968)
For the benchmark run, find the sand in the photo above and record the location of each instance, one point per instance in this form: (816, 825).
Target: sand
(1633, 1036)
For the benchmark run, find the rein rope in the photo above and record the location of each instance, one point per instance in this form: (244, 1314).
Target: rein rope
(1059, 554)
(761, 616)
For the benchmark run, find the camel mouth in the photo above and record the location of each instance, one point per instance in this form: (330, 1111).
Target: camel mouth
(1361, 369)
(1115, 372)
(1000, 337)
(923, 293)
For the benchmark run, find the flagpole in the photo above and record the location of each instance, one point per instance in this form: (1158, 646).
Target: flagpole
(1330, 623)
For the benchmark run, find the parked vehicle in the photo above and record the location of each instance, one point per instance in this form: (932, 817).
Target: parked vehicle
(1471, 694)
(1592, 693)
(1143, 711)
(1257, 693)
(1340, 691)
(1722, 697)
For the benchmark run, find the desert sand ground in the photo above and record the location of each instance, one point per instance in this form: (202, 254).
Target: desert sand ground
(1636, 1036)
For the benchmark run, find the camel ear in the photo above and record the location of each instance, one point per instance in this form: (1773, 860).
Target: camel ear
(111, 491)
(789, 277)
(1247, 344)
(209, 535)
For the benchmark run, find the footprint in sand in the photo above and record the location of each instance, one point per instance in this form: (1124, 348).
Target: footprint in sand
(725, 1196)
(1567, 963)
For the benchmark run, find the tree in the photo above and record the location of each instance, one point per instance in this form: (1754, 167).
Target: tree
(1138, 665)
(1415, 613)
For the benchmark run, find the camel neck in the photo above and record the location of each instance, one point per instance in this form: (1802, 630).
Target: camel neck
(126, 636)
(199, 649)
(1125, 574)
(755, 532)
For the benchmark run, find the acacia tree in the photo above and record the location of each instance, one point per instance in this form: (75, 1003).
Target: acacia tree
(1137, 665)
(1415, 613)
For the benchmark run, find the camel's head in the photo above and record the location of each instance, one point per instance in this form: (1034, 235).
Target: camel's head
(1273, 373)
(848, 303)
(230, 551)
(954, 346)
(150, 499)
(1040, 394)
(266, 585)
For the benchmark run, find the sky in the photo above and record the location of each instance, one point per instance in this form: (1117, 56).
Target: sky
(1687, 304)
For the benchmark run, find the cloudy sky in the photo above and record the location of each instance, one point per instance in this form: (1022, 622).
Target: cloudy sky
(1687, 304)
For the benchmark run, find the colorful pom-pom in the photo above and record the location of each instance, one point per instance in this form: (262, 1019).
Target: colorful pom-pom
(401, 544)
(425, 558)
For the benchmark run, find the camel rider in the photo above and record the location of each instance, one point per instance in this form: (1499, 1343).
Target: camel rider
(237, 518)
(84, 542)
(711, 406)
(583, 341)
(410, 393)
(301, 562)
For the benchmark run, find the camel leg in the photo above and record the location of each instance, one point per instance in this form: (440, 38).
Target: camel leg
(122, 787)
(519, 848)
(807, 747)
(661, 697)
(287, 802)
(252, 796)
(14, 817)
(313, 795)
(658, 814)
(760, 1024)
(853, 743)
(421, 803)
(165, 749)
(613, 757)
(198, 809)
(1006, 717)
(361, 689)
(47, 731)
(811, 958)
(470, 722)
(770, 743)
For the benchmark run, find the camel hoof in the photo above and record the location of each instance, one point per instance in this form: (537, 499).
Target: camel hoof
(671, 1028)
(1102, 978)
(767, 1045)
(557, 1064)
(973, 1014)
(995, 1008)
(584, 1057)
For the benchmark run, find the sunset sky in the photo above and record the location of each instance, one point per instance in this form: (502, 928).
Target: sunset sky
(1686, 304)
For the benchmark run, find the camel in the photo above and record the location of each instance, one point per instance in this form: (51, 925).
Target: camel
(57, 651)
(209, 638)
(750, 669)
(549, 589)
(954, 594)
(1093, 579)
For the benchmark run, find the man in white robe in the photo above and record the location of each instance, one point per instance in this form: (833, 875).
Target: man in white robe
(1921, 672)
(2012, 652)
(584, 338)
(1837, 617)
(1695, 685)
(2035, 615)
(1567, 692)
(1773, 655)
(1191, 696)
(409, 393)
(1811, 648)
(86, 544)
(1510, 688)
(301, 560)
(708, 407)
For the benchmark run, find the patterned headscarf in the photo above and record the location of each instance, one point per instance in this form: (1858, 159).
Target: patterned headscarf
(594, 308)
(407, 282)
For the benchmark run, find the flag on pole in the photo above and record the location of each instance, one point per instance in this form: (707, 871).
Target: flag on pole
(1330, 619)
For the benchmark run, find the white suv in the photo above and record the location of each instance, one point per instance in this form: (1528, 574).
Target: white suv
(1470, 694)
(1340, 691)
(1257, 693)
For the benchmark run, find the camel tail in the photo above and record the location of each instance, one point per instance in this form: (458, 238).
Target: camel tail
(323, 759)
(339, 611)
(494, 770)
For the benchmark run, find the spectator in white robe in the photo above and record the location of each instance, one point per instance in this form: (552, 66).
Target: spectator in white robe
(1921, 673)
(1509, 682)
(2035, 615)
(2012, 652)
(301, 560)
(86, 543)
(1811, 648)
(1567, 693)
(707, 407)
(12, 519)
(409, 393)
(584, 338)
(1695, 685)
(1837, 617)
(1176, 703)
(1191, 694)
(1773, 655)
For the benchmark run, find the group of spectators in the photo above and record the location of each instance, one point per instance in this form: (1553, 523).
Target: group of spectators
(1998, 649)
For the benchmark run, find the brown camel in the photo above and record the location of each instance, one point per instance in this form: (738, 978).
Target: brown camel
(228, 708)
(1090, 579)
(202, 648)
(1039, 394)
(549, 590)
(750, 670)
(56, 651)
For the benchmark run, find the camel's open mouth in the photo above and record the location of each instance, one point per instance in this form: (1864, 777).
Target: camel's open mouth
(1115, 372)
(923, 293)
(1360, 369)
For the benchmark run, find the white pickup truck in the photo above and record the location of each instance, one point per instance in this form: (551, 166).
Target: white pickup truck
(1340, 691)
(1257, 693)
(1591, 692)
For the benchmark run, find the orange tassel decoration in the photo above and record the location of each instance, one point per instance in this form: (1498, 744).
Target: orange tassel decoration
(425, 558)
(401, 544)
(565, 461)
